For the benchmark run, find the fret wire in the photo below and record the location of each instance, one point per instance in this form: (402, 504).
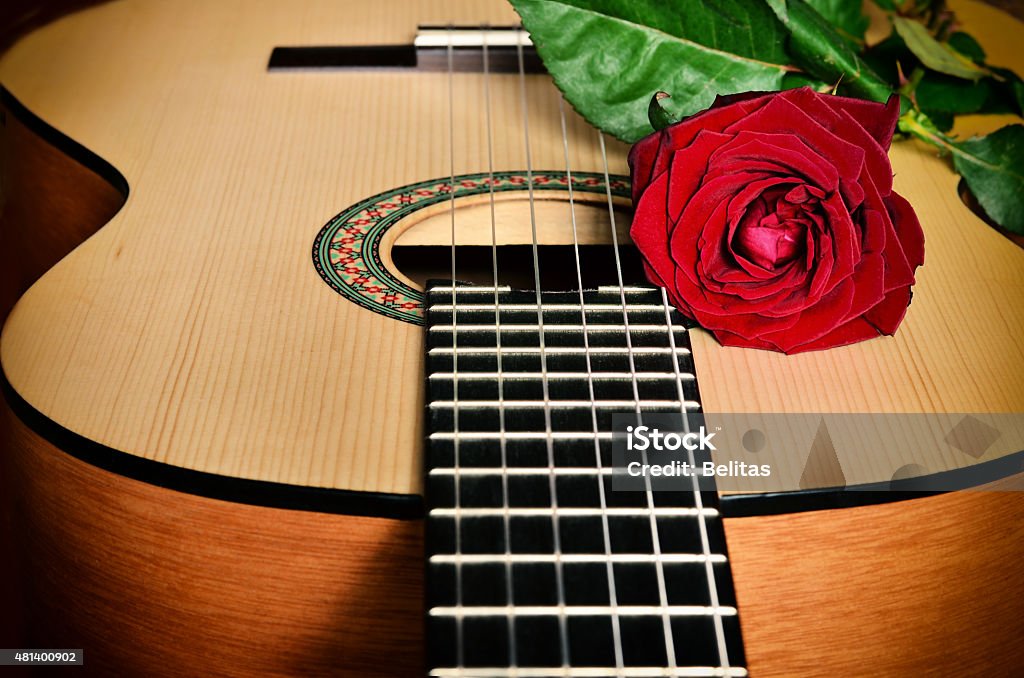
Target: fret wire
(670, 650)
(509, 597)
(522, 471)
(541, 327)
(512, 350)
(521, 435)
(562, 404)
(459, 652)
(475, 289)
(593, 672)
(548, 307)
(563, 630)
(580, 610)
(490, 376)
(709, 571)
(575, 511)
(484, 558)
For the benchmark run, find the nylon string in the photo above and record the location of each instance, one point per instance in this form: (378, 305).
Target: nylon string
(670, 650)
(610, 570)
(563, 631)
(459, 651)
(501, 387)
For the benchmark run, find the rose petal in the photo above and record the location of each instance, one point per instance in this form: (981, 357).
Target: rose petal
(681, 135)
(848, 333)
(779, 116)
(689, 168)
(816, 321)
(907, 227)
(887, 315)
(649, 230)
(780, 154)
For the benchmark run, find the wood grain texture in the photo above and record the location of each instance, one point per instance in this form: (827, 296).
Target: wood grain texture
(50, 203)
(187, 585)
(157, 583)
(927, 587)
(193, 330)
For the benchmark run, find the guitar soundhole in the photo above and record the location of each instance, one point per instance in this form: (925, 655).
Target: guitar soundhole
(378, 252)
(557, 265)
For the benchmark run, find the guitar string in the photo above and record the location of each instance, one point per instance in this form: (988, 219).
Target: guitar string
(659, 566)
(709, 568)
(563, 632)
(606, 530)
(459, 651)
(509, 597)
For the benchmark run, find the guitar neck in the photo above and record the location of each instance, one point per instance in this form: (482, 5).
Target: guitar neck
(536, 564)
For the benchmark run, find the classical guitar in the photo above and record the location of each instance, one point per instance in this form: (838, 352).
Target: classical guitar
(238, 238)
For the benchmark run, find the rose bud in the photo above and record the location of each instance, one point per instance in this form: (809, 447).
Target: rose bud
(771, 221)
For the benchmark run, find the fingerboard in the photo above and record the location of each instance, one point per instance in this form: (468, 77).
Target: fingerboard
(536, 565)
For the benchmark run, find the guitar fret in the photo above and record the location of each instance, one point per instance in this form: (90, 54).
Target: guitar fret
(526, 327)
(525, 551)
(555, 376)
(613, 290)
(521, 435)
(592, 672)
(572, 511)
(518, 404)
(549, 307)
(485, 558)
(521, 471)
(581, 610)
(581, 351)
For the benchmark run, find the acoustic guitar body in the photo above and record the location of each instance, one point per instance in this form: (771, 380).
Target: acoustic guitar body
(213, 356)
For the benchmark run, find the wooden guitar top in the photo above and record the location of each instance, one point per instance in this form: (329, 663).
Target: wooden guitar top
(193, 329)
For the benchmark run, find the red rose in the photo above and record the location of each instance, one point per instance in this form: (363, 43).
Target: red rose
(770, 220)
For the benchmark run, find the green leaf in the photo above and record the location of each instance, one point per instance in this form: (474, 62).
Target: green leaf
(845, 15)
(967, 46)
(943, 93)
(934, 54)
(659, 113)
(823, 53)
(993, 167)
(798, 79)
(1009, 89)
(610, 56)
(885, 56)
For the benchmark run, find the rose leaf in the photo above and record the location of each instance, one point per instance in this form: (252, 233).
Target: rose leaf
(946, 94)
(610, 56)
(993, 167)
(660, 113)
(819, 50)
(1010, 88)
(934, 54)
(799, 79)
(846, 16)
(966, 45)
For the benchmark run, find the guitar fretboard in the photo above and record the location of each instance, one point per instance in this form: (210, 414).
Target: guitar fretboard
(536, 565)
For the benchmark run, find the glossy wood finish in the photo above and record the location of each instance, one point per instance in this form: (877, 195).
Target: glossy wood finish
(50, 203)
(154, 582)
(158, 583)
(926, 587)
